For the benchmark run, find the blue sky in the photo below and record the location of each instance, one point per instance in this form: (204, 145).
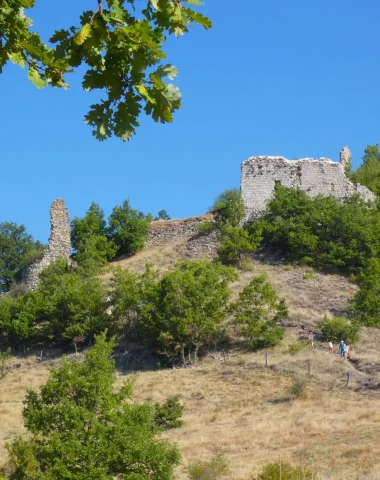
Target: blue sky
(289, 78)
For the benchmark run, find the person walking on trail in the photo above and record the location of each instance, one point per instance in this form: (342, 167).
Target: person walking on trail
(342, 348)
(311, 338)
(347, 352)
(331, 347)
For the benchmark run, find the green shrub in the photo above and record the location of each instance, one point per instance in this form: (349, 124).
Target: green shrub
(339, 328)
(297, 388)
(168, 414)
(209, 470)
(257, 313)
(282, 471)
(322, 231)
(295, 348)
(4, 357)
(308, 276)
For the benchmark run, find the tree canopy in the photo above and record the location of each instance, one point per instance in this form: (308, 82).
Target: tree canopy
(81, 428)
(17, 249)
(119, 47)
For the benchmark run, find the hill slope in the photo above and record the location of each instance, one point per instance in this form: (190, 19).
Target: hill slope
(239, 406)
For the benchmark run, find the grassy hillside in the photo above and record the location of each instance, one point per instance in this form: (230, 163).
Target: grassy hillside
(242, 408)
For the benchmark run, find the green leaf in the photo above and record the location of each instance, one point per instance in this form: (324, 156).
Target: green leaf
(145, 93)
(17, 59)
(169, 71)
(36, 79)
(27, 3)
(83, 34)
(155, 4)
(194, 2)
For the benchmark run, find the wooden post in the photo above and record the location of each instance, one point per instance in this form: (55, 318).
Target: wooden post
(224, 355)
(348, 378)
(309, 367)
(266, 359)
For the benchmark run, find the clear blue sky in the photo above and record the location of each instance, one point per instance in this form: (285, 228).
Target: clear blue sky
(297, 78)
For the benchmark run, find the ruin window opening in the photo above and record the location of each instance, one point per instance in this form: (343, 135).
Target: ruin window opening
(332, 187)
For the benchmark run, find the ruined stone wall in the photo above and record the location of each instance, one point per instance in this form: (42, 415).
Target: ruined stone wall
(59, 243)
(163, 231)
(189, 243)
(314, 176)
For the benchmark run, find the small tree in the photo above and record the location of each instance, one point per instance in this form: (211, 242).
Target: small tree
(93, 223)
(257, 312)
(191, 303)
(339, 328)
(81, 428)
(234, 242)
(163, 215)
(366, 304)
(229, 208)
(17, 249)
(128, 228)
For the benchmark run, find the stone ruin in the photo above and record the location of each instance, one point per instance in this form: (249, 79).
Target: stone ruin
(59, 243)
(322, 176)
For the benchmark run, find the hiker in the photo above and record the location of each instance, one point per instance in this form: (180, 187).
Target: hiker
(347, 353)
(342, 348)
(331, 347)
(311, 338)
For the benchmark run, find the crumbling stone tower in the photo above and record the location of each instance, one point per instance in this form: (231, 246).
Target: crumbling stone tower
(345, 158)
(59, 243)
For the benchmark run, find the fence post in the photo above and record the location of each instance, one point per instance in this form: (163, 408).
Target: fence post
(309, 367)
(348, 378)
(224, 355)
(266, 359)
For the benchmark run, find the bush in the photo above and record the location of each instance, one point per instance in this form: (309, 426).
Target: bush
(257, 312)
(229, 208)
(128, 228)
(282, 471)
(4, 357)
(209, 470)
(339, 328)
(295, 348)
(366, 304)
(322, 231)
(168, 414)
(297, 388)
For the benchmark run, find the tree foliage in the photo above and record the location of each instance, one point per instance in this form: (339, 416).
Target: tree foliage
(17, 249)
(81, 428)
(229, 208)
(66, 304)
(257, 313)
(118, 46)
(339, 328)
(366, 304)
(191, 302)
(322, 231)
(368, 173)
(128, 228)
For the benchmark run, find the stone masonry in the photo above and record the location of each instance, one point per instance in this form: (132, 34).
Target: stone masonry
(59, 243)
(321, 176)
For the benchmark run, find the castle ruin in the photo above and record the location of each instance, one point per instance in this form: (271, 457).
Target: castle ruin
(59, 243)
(322, 176)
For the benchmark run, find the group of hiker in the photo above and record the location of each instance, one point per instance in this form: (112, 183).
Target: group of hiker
(343, 348)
